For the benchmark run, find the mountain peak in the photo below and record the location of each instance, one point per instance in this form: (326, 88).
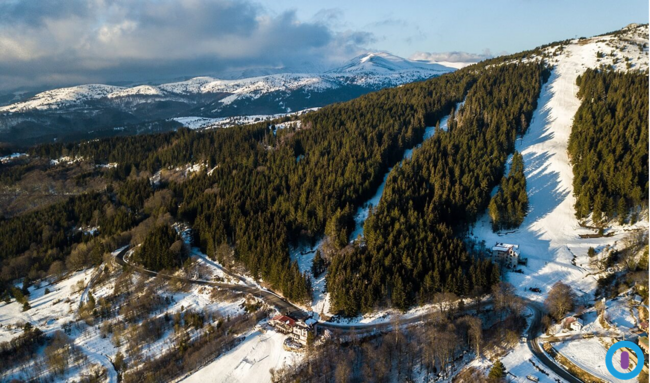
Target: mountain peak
(382, 63)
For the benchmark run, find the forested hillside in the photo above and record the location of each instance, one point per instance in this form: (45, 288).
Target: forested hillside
(294, 184)
(413, 238)
(609, 144)
(265, 188)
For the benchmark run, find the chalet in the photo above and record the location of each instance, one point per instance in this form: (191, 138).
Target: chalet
(572, 323)
(506, 254)
(283, 323)
(298, 330)
(301, 331)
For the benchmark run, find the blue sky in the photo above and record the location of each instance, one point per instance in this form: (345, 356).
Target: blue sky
(405, 27)
(49, 43)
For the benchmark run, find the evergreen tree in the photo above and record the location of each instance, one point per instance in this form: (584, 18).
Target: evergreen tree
(608, 144)
(497, 372)
(509, 205)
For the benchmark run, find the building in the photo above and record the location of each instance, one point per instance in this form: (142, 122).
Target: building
(506, 254)
(643, 343)
(573, 323)
(283, 323)
(298, 330)
(301, 331)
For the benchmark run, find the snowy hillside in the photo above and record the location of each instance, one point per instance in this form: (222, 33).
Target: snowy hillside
(369, 70)
(550, 233)
(58, 98)
(382, 63)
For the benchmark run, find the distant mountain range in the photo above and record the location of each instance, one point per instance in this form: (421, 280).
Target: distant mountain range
(96, 110)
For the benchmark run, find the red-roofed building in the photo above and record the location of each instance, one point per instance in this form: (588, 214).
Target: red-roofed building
(283, 323)
(298, 329)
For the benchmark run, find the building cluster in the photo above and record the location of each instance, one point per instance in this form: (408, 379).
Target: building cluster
(297, 329)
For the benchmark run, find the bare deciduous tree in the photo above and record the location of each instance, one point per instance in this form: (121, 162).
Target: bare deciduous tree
(560, 300)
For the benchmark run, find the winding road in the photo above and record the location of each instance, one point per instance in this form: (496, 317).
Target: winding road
(533, 332)
(295, 311)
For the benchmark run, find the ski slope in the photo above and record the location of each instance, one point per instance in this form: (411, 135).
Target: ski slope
(549, 235)
(248, 362)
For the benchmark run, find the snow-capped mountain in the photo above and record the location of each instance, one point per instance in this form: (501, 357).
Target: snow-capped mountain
(370, 70)
(382, 63)
(103, 107)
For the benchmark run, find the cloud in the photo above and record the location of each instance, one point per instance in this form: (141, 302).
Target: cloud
(59, 42)
(457, 57)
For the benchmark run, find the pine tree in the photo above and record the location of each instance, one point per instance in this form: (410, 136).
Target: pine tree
(497, 372)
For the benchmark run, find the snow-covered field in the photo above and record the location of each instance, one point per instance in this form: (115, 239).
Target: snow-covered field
(249, 362)
(589, 354)
(49, 312)
(53, 311)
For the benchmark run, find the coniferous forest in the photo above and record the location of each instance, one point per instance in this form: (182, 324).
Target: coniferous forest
(162, 249)
(266, 186)
(509, 205)
(263, 189)
(609, 144)
(413, 247)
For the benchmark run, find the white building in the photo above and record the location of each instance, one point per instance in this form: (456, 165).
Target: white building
(506, 254)
(573, 323)
(298, 330)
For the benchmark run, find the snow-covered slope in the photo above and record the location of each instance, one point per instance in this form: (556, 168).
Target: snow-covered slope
(550, 233)
(372, 70)
(59, 98)
(142, 90)
(382, 63)
(250, 361)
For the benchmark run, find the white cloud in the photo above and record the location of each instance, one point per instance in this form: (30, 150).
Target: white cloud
(453, 57)
(59, 42)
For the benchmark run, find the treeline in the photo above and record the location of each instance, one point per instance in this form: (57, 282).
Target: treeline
(412, 246)
(609, 144)
(509, 205)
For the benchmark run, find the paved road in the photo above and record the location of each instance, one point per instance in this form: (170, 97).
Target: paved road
(533, 332)
(289, 308)
(268, 296)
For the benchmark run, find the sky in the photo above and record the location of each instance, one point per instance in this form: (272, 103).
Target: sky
(49, 43)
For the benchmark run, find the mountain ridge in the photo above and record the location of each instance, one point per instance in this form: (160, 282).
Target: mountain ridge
(370, 69)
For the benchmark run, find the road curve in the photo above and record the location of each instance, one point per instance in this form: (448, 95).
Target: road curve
(268, 296)
(533, 333)
(289, 308)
